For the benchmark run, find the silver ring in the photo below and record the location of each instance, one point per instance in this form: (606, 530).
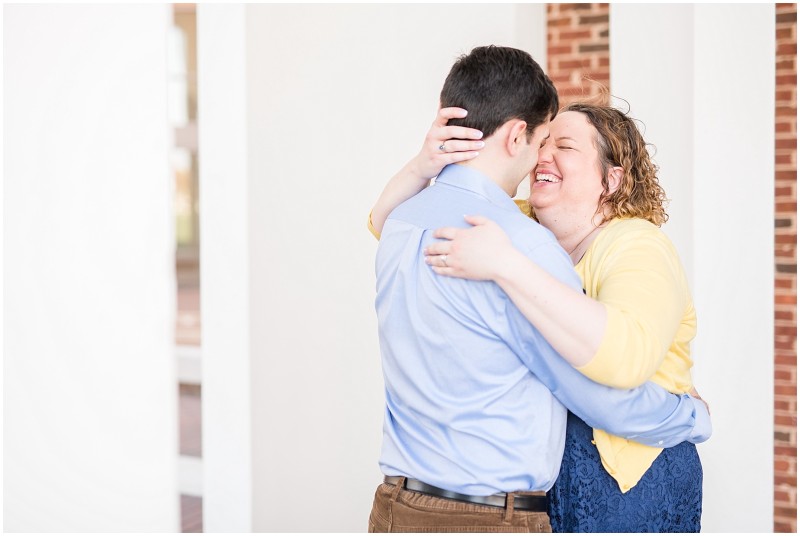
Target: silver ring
(444, 259)
(441, 147)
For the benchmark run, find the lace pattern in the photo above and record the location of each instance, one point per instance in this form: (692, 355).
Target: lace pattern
(585, 498)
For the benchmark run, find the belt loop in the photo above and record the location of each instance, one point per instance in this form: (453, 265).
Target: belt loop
(401, 484)
(509, 507)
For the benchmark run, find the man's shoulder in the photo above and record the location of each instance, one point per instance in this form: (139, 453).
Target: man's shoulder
(525, 231)
(539, 244)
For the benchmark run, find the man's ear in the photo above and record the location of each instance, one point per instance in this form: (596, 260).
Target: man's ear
(615, 175)
(517, 135)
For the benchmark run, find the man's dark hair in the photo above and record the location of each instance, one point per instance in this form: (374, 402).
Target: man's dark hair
(496, 84)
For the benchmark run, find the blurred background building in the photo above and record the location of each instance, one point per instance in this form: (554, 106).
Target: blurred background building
(134, 135)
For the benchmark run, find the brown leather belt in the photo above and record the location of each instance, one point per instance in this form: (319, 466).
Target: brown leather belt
(531, 503)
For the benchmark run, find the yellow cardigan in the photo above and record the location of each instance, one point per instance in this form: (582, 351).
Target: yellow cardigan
(633, 269)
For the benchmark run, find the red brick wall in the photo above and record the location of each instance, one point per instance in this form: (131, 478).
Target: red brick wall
(786, 268)
(577, 48)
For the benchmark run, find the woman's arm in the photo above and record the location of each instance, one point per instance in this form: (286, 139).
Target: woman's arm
(638, 276)
(572, 323)
(459, 145)
(621, 338)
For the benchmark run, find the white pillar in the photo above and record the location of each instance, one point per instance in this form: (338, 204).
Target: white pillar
(701, 78)
(90, 396)
(225, 229)
(305, 112)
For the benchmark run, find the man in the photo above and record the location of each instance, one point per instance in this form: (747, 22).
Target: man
(473, 431)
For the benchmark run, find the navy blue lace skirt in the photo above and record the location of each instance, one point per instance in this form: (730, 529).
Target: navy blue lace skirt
(585, 498)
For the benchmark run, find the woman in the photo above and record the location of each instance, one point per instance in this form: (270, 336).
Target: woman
(595, 187)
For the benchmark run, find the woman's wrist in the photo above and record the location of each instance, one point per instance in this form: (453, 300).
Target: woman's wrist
(420, 170)
(414, 173)
(510, 264)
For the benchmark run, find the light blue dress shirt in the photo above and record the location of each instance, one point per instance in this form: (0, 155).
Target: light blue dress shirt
(474, 393)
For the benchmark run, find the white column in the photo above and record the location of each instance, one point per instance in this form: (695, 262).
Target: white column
(651, 69)
(224, 267)
(701, 78)
(90, 397)
(734, 128)
(295, 146)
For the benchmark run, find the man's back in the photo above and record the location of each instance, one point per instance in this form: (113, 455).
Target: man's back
(464, 412)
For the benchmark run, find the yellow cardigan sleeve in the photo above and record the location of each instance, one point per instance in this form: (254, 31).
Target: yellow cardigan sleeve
(636, 273)
(371, 227)
(524, 207)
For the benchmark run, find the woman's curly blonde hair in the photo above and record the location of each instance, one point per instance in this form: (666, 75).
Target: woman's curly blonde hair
(619, 143)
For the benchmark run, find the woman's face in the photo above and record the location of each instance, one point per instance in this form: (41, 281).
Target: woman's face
(567, 179)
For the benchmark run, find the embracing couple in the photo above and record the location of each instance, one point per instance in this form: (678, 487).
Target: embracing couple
(535, 354)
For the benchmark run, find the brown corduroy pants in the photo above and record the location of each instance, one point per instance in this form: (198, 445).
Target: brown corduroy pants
(399, 510)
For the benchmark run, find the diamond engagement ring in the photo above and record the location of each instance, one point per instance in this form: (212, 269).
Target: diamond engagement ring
(444, 259)
(441, 148)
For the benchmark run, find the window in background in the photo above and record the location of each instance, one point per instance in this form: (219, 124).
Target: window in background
(182, 95)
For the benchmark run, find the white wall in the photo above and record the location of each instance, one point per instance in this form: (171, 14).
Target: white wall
(338, 97)
(707, 99)
(90, 431)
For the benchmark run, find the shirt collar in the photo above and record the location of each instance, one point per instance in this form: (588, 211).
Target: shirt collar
(474, 181)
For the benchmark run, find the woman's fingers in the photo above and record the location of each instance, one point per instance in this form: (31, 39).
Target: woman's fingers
(453, 132)
(449, 151)
(436, 249)
(696, 395)
(450, 146)
(447, 233)
(452, 158)
(446, 114)
(444, 270)
(475, 252)
(437, 253)
(437, 260)
(446, 132)
(477, 220)
(446, 145)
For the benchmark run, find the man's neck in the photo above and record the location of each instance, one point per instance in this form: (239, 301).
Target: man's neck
(494, 173)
